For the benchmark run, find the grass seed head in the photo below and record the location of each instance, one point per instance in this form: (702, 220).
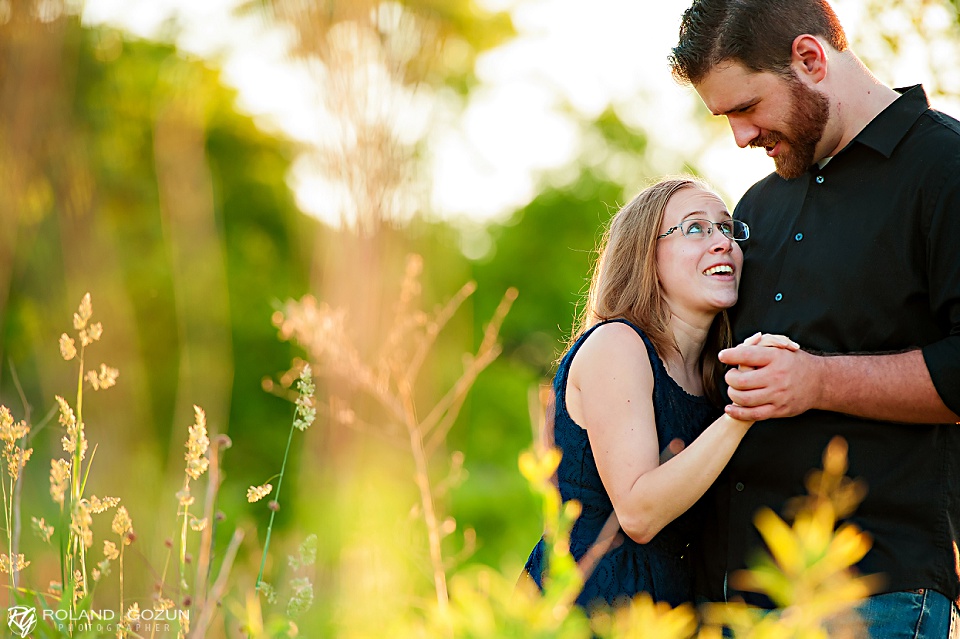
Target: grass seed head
(122, 524)
(98, 505)
(68, 348)
(42, 530)
(83, 314)
(59, 479)
(197, 445)
(184, 497)
(104, 378)
(75, 439)
(12, 563)
(81, 521)
(256, 493)
(110, 550)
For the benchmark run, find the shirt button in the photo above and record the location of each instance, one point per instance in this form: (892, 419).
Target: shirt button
(819, 179)
(798, 236)
(739, 486)
(778, 296)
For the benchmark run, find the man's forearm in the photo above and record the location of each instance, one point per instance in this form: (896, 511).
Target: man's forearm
(884, 387)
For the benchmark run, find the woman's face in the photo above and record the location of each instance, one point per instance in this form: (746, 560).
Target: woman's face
(699, 273)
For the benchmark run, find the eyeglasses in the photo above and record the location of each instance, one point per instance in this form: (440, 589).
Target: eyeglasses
(699, 229)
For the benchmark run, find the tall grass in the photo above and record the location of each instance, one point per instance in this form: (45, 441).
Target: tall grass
(809, 571)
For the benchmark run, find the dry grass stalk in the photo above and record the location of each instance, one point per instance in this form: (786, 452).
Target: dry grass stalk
(392, 379)
(361, 54)
(304, 416)
(15, 454)
(202, 456)
(219, 443)
(68, 477)
(211, 603)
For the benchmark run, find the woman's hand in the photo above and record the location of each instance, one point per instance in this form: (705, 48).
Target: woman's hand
(768, 339)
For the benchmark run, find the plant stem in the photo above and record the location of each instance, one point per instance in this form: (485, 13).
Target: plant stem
(276, 499)
(183, 537)
(7, 515)
(163, 578)
(75, 495)
(122, 609)
(422, 478)
(217, 590)
(18, 485)
(201, 581)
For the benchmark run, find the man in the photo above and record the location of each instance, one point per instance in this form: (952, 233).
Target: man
(855, 254)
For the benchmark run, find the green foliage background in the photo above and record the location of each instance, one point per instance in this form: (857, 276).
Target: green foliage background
(83, 209)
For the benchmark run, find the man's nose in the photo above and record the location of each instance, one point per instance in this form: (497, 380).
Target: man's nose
(743, 132)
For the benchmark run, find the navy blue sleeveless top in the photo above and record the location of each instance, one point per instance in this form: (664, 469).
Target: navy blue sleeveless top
(661, 567)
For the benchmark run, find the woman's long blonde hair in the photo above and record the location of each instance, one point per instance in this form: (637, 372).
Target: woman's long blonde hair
(625, 283)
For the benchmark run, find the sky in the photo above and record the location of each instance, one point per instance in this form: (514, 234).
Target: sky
(486, 156)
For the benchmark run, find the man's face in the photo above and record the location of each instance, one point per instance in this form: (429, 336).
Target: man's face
(780, 114)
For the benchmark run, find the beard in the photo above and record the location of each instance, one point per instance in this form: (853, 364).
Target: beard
(806, 122)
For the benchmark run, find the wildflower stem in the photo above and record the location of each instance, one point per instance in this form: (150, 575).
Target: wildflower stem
(8, 515)
(76, 492)
(76, 468)
(182, 555)
(18, 485)
(163, 579)
(122, 609)
(219, 586)
(273, 512)
(183, 536)
(201, 583)
(426, 498)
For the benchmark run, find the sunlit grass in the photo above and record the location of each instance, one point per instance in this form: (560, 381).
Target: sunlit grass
(809, 571)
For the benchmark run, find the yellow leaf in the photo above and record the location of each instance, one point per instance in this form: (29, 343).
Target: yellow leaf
(814, 529)
(538, 470)
(780, 540)
(849, 546)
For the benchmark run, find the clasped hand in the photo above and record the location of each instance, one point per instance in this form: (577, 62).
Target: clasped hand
(770, 377)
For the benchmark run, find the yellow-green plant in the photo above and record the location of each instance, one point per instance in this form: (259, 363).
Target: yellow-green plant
(485, 604)
(809, 572)
(202, 457)
(644, 618)
(68, 477)
(13, 434)
(303, 417)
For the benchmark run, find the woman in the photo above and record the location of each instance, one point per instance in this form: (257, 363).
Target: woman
(641, 378)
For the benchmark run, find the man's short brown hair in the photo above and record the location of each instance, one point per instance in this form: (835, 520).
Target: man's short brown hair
(758, 34)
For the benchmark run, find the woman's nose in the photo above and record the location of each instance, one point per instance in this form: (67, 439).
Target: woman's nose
(720, 242)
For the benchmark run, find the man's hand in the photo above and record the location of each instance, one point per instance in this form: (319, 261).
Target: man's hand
(766, 382)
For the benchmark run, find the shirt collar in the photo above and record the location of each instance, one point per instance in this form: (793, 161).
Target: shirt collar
(885, 131)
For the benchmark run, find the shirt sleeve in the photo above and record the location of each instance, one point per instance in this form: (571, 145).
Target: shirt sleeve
(943, 267)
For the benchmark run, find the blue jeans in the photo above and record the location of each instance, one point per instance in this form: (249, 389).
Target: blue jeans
(920, 614)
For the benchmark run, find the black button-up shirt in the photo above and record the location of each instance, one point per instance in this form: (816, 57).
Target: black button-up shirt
(861, 256)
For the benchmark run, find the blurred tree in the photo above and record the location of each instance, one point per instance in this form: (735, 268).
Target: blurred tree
(376, 65)
(910, 41)
(127, 172)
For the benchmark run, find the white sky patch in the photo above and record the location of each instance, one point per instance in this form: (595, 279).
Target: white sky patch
(484, 162)
(613, 55)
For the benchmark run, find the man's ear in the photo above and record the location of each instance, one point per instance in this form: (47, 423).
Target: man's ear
(809, 58)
